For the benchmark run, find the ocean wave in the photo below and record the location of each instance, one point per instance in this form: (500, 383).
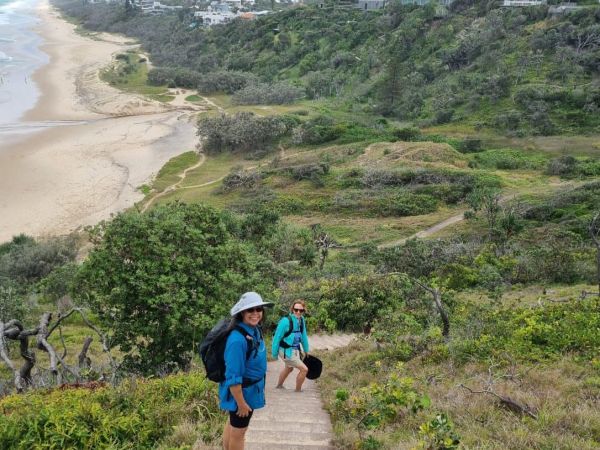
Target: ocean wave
(5, 58)
(13, 5)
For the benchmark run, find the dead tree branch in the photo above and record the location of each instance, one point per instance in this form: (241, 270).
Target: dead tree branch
(83, 359)
(507, 402)
(437, 301)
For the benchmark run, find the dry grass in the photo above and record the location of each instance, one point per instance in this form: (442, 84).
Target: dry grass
(413, 154)
(565, 395)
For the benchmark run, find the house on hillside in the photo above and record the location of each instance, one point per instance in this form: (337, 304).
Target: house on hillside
(233, 3)
(520, 3)
(214, 17)
(426, 2)
(563, 8)
(153, 7)
(370, 5)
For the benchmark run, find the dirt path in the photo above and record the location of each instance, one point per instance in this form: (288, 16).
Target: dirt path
(176, 185)
(427, 231)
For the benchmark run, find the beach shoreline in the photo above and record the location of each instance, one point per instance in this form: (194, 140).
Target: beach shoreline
(100, 144)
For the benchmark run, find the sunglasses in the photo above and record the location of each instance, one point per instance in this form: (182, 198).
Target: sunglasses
(300, 310)
(257, 309)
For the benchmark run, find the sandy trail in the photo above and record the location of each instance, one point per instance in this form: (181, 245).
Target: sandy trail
(62, 177)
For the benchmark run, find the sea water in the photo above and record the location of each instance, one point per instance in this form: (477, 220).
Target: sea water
(20, 56)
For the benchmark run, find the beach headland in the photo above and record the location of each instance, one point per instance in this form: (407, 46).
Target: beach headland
(94, 144)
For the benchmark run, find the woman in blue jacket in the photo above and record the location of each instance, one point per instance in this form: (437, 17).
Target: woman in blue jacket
(290, 335)
(245, 356)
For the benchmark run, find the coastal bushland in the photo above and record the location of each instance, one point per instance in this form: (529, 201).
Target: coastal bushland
(516, 71)
(483, 334)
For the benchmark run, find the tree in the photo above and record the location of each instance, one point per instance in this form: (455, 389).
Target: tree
(159, 281)
(243, 132)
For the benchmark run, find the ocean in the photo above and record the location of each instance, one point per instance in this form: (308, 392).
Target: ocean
(20, 56)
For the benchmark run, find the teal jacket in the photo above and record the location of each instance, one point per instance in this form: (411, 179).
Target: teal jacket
(282, 327)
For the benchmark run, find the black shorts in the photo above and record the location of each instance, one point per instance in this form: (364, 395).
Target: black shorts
(239, 422)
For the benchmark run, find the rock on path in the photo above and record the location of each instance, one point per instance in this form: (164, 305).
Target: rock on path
(292, 420)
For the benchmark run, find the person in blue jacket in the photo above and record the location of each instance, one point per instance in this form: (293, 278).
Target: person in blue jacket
(243, 390)
(290, 337)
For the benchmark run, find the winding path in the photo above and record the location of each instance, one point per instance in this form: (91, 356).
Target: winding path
(176, 185)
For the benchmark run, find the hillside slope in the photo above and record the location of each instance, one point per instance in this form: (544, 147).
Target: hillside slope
(516, 70)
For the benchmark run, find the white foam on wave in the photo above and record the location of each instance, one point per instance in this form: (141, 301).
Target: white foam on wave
(17, 5)
(5, 58)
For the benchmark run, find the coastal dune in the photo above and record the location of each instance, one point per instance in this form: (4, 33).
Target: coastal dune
(100, 144)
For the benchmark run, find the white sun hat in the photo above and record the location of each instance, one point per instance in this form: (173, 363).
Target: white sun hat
(247, 301)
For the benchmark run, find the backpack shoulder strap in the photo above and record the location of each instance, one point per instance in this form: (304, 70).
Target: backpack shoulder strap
(290, 327)
(249, 340)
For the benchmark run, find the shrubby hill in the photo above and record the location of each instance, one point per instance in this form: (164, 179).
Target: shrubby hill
(515, 70)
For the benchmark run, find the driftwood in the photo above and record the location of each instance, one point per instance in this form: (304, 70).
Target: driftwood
(507, 402)
(59, 369)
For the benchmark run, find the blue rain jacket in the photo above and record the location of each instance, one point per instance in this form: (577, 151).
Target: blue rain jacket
(282, 327)
(237, 368)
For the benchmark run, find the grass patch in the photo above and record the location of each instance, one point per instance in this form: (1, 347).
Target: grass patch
(169, 174)
(129, 72)
(193, 98)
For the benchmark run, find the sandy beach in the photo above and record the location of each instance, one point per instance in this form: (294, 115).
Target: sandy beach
(96, 144)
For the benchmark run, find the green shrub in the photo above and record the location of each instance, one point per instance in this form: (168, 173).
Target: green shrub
(530, 333)
(438, 434)
(241, 132)
(267, 94)
(379, 404)
(470, 145)
(136, 415)
(507, 159)
(354, 302)
(173, 77)
(407, 133)
(227, 81)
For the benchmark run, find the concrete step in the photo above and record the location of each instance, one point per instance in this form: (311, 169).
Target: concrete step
(293, 420)
(290, 426)
(288, 446)
(295, 408)
(272, 415)
(283, 438)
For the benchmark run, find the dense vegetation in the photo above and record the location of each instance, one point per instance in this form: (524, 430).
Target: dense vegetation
(514, 70)
(139, 414)
(484, 338)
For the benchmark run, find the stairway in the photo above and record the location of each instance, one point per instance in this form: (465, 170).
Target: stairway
(294, 420)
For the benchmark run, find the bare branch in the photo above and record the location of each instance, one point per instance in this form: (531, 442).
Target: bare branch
(505, 401)
(8, 361)
(42, 344)
(83, 359)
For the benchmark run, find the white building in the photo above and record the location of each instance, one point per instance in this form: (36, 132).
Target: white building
(214, 17)
(511, 3)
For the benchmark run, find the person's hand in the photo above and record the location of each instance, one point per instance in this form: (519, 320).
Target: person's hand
(243, 410)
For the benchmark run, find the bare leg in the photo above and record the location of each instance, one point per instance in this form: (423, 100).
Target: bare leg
(237, 438)
(301, 377)
(226, 435)
(283, 375)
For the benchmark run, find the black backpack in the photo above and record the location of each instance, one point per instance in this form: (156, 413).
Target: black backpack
(283, 344)
(212, 350)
